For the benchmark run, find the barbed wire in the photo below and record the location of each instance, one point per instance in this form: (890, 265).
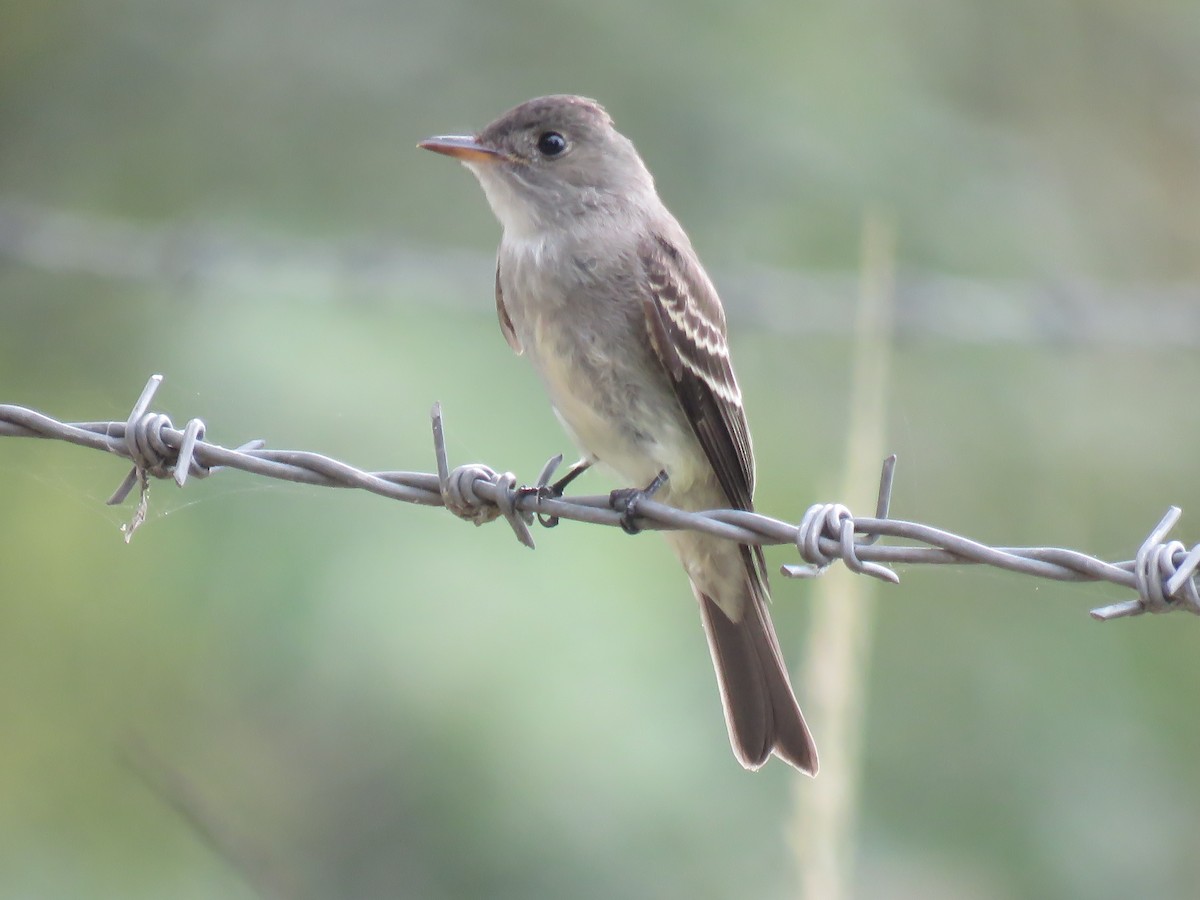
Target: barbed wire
(1163, 574)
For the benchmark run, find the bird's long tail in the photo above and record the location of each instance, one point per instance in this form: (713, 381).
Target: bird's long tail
(760, 707)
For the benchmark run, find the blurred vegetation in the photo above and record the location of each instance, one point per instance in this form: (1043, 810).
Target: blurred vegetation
(378, 701)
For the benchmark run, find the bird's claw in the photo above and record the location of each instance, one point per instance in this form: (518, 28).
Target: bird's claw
(626, 500)
(544, 490)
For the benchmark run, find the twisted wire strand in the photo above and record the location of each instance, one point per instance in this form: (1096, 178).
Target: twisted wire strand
(1163, 574)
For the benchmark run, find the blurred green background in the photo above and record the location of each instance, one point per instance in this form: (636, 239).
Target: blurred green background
(374, 700)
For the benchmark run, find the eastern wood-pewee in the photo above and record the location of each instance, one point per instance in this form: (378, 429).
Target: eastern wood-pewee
(599, 286)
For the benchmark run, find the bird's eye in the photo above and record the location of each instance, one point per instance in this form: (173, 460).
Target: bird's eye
(551, 143)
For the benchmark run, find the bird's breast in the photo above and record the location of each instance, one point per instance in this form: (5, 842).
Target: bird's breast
(582, 326)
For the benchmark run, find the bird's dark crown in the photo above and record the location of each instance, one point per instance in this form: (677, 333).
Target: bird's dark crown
(576, 117)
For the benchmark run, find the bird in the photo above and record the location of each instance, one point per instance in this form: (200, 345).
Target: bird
(598, 285)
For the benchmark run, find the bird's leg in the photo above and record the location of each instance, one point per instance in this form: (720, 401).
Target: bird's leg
(626, 500)
(556, 489)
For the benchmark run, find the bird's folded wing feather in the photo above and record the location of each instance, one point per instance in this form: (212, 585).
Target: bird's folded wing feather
(687, 330)
(506, 325)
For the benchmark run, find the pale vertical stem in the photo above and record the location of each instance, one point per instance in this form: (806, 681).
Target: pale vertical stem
(833, 684)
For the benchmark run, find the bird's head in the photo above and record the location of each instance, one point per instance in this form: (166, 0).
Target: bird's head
(551, 159)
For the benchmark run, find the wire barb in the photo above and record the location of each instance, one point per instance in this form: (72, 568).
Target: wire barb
(834, 523)
(544, 491)
(461, 494)
(1162, 584)
(146, 444)
(1163, 575)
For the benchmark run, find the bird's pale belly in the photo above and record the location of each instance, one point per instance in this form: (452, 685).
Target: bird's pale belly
(597, 412)
(623, 419)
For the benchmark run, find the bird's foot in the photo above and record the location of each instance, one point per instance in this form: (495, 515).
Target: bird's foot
(626, 500)
(556, 490)
(546, 491)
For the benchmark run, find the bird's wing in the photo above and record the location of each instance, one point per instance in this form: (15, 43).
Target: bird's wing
(687, 330)
(506, 325)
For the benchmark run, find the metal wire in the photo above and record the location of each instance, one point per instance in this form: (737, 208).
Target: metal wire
(1163, 574)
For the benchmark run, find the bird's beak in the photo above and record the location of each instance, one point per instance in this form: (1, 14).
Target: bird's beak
(462, 147)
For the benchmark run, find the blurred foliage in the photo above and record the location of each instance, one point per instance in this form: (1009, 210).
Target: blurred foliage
(378, 701)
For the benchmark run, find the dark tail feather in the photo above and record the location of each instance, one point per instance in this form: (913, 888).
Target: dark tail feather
(760, 708)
